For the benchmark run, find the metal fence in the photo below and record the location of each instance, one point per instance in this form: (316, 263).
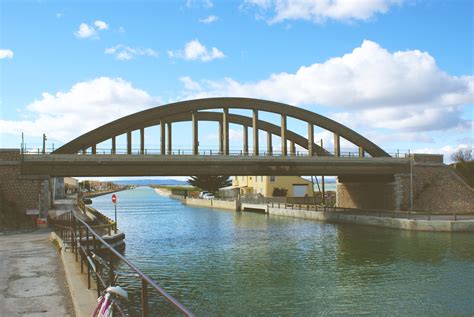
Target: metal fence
(82, 239)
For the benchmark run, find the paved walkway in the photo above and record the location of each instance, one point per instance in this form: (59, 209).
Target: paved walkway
(32, 279)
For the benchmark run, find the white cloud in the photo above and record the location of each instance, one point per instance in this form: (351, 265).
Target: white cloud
(125, 53)
(85, 31)
(318, 11)
(199, 3)
(194, 50)
(404, 90)
(88, 31)
(210, 19)
(101, 25)
(446, 151)
(59, 15)
(92, 103)
(6, 53)
(189, 84)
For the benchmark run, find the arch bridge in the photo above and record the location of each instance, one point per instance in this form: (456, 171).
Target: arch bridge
(73, 158)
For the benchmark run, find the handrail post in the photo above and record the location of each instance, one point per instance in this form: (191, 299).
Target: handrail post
(144, 299)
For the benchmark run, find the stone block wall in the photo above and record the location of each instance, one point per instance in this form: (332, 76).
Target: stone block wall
(435, 188)
(24, 192)
(370, 195)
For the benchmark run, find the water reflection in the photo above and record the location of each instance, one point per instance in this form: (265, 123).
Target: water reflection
(228, 263)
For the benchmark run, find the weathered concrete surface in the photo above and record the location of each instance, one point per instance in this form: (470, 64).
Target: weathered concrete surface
(32, 279)
(387, 222)
(84, 300)
(212, 203)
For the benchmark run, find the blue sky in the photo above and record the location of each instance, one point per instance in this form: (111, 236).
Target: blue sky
(398, 72)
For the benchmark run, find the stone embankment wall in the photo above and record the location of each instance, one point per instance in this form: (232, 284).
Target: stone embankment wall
(26, 192)
(212, 203)
(435, 188)
(394, 223)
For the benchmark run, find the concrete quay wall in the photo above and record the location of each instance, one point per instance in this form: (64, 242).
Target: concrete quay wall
(385, 222)
(212, 203)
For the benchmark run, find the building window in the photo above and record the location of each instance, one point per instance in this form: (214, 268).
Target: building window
(272, 178)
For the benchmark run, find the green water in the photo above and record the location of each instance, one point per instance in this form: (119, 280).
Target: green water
(228, 263)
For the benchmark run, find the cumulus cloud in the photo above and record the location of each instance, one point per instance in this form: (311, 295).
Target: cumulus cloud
(89, 31)
(210, 19)
(401, 90)
(446, 150)
(125, 53)
(194, 50)
(101, 25)
(6, 53)
(318, 11)
(87, 105)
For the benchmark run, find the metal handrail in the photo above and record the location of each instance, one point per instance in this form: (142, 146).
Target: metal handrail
(213, 152)
(143, 277)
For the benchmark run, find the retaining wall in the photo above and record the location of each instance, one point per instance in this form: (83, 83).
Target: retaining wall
(404, 224)
(212, 203)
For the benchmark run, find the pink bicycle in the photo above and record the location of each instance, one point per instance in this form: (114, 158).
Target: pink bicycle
(109, 303)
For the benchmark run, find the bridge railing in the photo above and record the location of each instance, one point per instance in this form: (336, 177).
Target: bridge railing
(213, 152)
(83, 240)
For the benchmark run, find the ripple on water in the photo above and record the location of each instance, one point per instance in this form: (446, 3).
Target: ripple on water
(220, 262)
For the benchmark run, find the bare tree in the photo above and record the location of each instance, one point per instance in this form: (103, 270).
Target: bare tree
(463, 154)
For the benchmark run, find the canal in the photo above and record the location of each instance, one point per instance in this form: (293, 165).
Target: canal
(231, 263)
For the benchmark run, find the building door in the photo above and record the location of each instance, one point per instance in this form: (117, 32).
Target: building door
(299, 190)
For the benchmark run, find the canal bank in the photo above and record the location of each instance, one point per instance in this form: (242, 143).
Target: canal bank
(242, 263)
(432, 225)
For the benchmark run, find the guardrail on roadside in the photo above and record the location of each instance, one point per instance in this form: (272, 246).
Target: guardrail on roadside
(82, 239)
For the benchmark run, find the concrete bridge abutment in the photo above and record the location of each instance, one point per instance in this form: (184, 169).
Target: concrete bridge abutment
(427, 180)
(26, 192)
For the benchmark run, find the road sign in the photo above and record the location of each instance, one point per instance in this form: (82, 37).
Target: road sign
(114, 198)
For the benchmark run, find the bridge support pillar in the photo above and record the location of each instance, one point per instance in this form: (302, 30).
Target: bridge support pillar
(114, 145)
(221, 142)
(269, 144)
(255, 131)
(195, 134)
(169, 137)
(283, 135)
(292, 148)
(162, 137)
(361, 152)
(94, 149)
(246, 139)
(225, 123)
(129, 142)
(337, 145)
(310, 138)
(142, 141)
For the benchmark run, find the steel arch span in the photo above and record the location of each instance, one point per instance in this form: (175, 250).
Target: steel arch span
(194, 111)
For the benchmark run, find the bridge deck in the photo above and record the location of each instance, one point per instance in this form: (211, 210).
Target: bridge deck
(184, 165)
